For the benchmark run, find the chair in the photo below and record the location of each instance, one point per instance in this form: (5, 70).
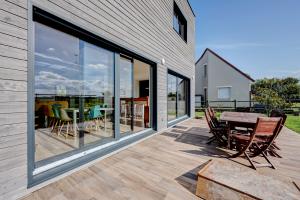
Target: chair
(219, 132)
(56, 116)
(273, 147)
(258, 141)
(212, 115)
(65, 121)
(95, 115)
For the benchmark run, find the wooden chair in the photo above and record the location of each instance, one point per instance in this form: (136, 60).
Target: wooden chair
(214, 118)
(258, 141)
(219, 133)
(272, 150)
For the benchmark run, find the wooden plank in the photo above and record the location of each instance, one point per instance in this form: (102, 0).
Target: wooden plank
(12, 96)
(21, 3)
(12, 41)
(12, 52)
(13, 118)
(13, 8)
(13, 19)
(13, 140)
(13, 107)
(13, 30)
(10, 85)
(12, 63)
(10, 74)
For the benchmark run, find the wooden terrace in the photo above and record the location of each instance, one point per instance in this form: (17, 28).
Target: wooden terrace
(164, 166)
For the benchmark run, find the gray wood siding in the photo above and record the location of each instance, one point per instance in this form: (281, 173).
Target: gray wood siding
(13, 98)
(142, 26)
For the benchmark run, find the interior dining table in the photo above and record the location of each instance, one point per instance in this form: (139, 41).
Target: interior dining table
(239, 119)
(76, 110)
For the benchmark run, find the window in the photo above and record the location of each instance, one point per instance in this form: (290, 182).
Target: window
(74, 93)
(224, 92)
(205, 70)
(74, 90)
(179, 23)
(177, 97)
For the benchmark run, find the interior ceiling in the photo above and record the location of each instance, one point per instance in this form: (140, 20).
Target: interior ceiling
(141, 70)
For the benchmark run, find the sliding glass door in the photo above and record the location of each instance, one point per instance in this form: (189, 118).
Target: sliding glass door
(74, 89)
(177, 96)
(134, 96)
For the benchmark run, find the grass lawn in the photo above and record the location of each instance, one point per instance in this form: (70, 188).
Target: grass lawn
(292, 122)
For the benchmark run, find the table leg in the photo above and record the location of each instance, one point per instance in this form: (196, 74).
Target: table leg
(74, 123)
(228, 136)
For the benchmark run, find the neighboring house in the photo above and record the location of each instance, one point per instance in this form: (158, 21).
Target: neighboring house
(82, 79)
(217, 81)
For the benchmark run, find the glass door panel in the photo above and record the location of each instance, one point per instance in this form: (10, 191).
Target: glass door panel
(141, 100)
(126, 95)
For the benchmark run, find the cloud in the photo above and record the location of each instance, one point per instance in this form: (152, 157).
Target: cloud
(97, 66)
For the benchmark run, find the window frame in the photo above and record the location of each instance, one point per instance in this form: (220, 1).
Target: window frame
(188, 97)
(181, 22)
(224, 87)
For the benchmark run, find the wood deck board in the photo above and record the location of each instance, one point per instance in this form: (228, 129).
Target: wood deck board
(163, 167)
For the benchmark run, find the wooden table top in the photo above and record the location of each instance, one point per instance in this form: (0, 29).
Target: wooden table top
(241, 117)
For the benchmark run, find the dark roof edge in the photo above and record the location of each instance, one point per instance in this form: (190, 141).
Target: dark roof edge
(228, 63)
(191, 8)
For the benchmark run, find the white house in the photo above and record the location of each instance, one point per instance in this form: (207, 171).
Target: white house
(219, 82)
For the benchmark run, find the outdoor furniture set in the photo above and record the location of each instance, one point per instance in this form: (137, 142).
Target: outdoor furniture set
(249, 134)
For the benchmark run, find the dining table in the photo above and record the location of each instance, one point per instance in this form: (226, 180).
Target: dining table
(239, 119)
(76, 110)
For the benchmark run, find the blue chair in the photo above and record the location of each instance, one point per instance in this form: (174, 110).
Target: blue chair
(95, 115)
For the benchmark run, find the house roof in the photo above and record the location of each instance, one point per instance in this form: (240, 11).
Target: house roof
(228, 63)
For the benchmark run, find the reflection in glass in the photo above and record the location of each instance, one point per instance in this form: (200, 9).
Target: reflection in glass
(172, 82)
(134, 96)
(74, 93)
(181, 101)
(177, 97)
(126, 95)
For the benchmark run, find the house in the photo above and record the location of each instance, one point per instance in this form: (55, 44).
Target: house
(80, 80)
(220, 83)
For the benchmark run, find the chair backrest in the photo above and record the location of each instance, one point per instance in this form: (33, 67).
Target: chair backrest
(209, 120)
(279, 113)
(64, 115)
(212, 115)
(139, 110)
(95, 112)
(267, 128)
(56, 110)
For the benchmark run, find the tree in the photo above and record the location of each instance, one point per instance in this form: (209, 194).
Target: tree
(276, 93)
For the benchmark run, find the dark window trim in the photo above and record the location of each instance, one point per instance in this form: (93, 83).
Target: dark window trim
(48, 19)
(182, 19)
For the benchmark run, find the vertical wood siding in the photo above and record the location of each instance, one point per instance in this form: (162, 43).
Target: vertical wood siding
(142, 26)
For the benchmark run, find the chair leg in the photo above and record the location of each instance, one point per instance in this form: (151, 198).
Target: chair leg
(61, 128)
(264, 155)
(68, 124)
(248, 158)
(211, 139)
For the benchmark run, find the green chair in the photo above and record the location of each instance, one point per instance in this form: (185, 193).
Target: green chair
(65, 120)
(56, 115)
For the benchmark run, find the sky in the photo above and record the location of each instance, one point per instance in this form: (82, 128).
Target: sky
(260, 37)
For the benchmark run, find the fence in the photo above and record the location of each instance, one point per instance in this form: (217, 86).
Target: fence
(235, 105)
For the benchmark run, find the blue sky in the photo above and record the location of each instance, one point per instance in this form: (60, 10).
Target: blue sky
(260, 37)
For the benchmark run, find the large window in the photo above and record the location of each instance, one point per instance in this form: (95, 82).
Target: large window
(177, 97)
(179, 23)
(74, 92)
